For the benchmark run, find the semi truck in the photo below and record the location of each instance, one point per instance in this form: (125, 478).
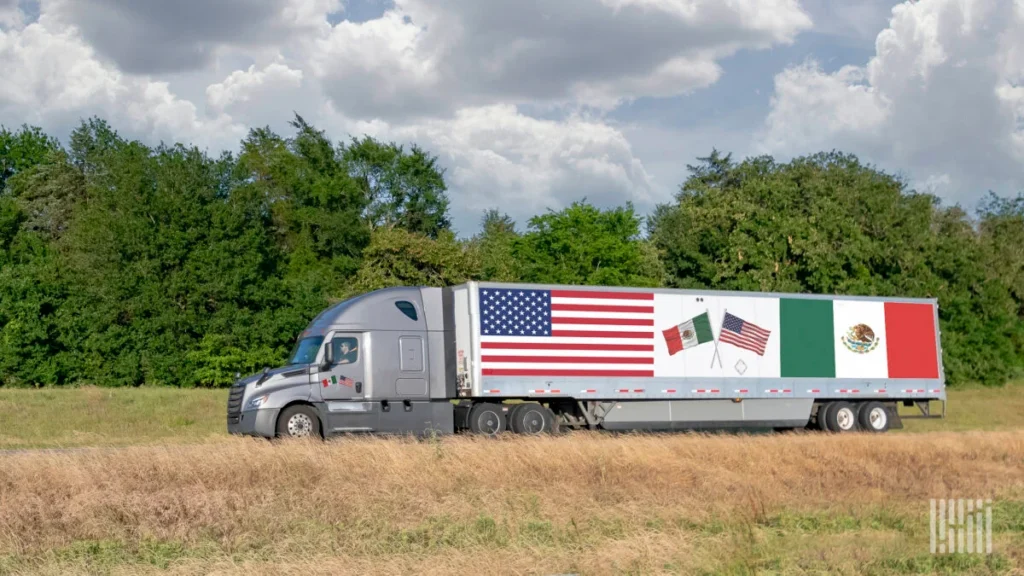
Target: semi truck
(494, 358)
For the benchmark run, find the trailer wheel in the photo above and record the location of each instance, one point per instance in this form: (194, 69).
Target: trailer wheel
(531, 419)
(299, 421)
(841, 417)
(821, 420)
(873, 417)
(487, 419)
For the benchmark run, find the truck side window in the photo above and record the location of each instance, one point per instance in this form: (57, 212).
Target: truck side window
(408, 309)
(346, 350)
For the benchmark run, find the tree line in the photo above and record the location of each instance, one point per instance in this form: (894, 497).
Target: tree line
(123, 264)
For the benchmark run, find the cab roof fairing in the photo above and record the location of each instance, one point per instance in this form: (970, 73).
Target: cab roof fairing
(361, 312)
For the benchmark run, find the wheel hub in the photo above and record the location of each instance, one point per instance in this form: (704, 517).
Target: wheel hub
(533, 423)
(489, 423)
(878, 418)
(844, 417)
(300, 426)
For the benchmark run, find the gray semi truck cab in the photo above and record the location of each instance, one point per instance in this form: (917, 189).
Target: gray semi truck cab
(379, 362)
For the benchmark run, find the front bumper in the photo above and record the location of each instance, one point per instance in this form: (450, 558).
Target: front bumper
(256, 423)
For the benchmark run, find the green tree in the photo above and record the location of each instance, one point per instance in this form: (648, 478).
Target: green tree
(497, 245)
(583, 244)
(404, 189)
(22, 150)
(398, 257)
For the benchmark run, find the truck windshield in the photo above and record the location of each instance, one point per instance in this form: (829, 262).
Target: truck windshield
(305, 350)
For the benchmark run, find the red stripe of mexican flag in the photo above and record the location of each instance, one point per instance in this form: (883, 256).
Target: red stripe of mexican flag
(911, 332)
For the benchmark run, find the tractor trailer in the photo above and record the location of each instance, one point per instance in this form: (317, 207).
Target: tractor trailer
(489, 358)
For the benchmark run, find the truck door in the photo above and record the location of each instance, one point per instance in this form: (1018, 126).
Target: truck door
(342, 386)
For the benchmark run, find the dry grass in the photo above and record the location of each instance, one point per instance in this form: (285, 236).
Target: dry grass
(586, 503)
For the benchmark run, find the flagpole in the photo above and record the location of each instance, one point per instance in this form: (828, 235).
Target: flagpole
(715, 340)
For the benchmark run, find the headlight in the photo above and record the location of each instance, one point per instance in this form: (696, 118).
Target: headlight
(258, 401)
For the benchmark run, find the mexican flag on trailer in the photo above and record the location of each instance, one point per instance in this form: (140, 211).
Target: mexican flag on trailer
(857, 339)
(693, 332)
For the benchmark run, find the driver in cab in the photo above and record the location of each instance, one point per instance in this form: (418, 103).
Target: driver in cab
(347, 353)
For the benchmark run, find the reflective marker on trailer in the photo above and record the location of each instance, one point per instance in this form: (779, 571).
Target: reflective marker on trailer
(741, 391)
(669, 391)
(813, 391)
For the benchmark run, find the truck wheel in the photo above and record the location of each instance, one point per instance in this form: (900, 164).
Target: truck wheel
(531, 419)
(487, 419)
(821, 420)
(873, 417)
(299, 421)
(841, 417)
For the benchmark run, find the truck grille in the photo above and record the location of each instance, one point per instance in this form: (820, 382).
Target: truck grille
(235, 404)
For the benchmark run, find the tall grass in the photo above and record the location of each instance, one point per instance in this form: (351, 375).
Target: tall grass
(588, 503)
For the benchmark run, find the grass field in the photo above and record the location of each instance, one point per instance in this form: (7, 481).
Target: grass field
(187, 499)
(66, 418)
(587, 503)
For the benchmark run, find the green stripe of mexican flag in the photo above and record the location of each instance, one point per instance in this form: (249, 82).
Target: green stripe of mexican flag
(856, 339)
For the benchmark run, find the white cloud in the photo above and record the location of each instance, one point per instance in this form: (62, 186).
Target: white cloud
(55, 80)
(10, 14)
(151, 36)
(244, 85)
(498, 157)
(940, 100)
(431, 57)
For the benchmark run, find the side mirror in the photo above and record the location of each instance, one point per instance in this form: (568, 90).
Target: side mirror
(328, 357)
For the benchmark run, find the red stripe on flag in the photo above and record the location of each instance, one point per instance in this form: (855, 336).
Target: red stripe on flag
(599, 334)
(602, 295)
(603, 321)
(673, 340)
(563, 346)
(542, 372)
(910, 329)
(602, 308)
(567, 360)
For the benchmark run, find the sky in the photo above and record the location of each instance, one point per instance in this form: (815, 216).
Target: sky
(533, 104)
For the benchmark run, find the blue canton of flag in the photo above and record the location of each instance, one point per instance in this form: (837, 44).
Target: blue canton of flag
(515, 312)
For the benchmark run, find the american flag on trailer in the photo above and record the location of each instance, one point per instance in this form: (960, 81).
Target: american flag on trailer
(527, 332)
(746, 335)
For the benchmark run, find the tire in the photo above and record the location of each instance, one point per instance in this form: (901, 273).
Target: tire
(821, 422)
(531, 419)
(487, 419)
(873, 417)
(841, 417)
(299, 421)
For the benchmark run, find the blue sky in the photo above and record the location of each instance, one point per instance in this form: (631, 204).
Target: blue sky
(531, 105)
